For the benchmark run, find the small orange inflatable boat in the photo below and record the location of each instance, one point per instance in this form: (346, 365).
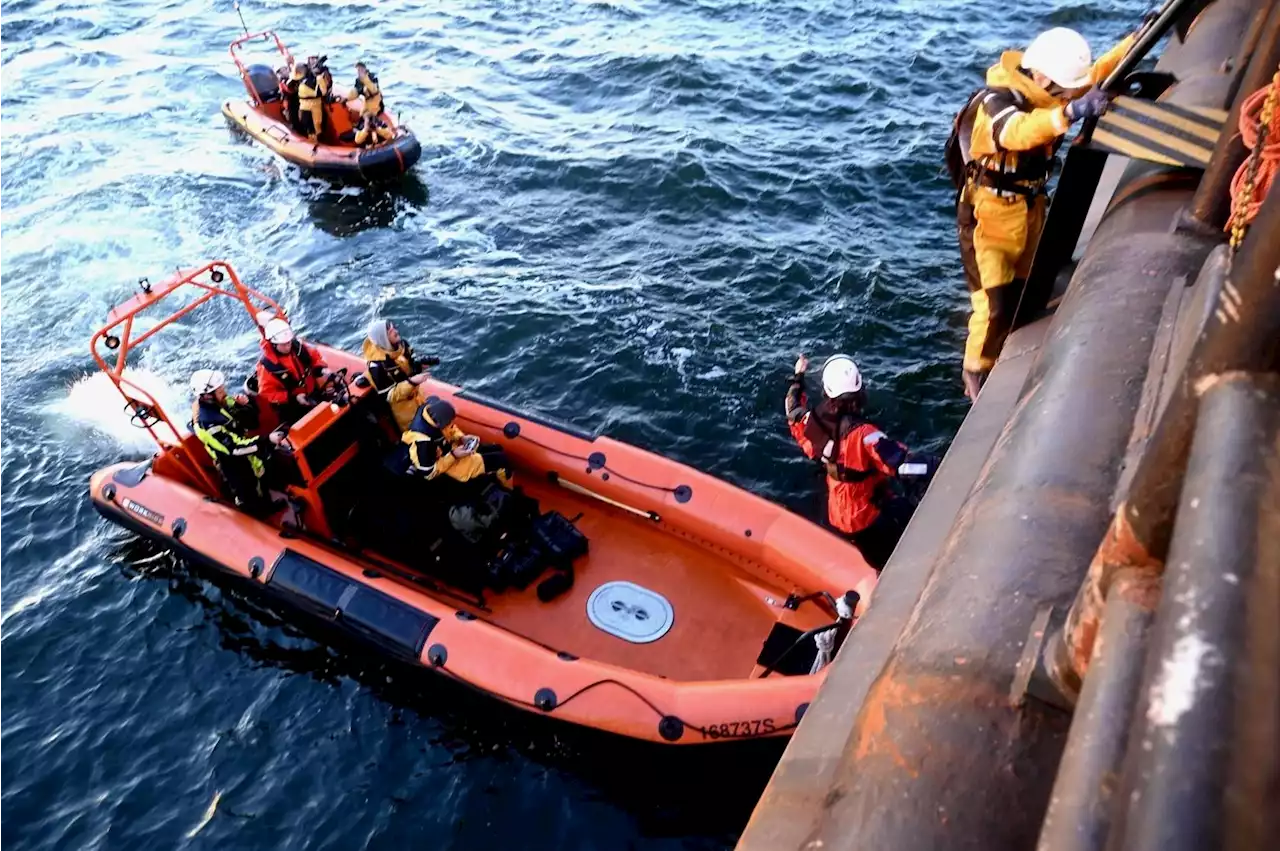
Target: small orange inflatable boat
(263, 118)
(661, 604)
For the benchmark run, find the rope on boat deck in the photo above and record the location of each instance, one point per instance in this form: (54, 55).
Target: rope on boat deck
(595, 461)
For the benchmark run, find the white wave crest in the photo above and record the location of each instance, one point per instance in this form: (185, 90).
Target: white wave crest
(94, 402)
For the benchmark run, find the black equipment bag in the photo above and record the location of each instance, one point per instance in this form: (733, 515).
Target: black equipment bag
(556, 536)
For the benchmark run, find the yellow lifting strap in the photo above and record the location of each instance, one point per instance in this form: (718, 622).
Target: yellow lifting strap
(1159, 132)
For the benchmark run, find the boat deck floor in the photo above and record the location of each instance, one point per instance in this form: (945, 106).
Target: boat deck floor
(720, 620)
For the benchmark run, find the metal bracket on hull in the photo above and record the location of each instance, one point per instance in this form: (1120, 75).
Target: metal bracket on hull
(1157, 132)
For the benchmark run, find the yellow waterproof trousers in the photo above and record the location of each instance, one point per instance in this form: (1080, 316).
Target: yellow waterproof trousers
(314, 107)
(481, 462)
(998, 239)
(466, 468)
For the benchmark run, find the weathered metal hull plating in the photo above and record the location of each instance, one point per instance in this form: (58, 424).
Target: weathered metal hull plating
(943, 747)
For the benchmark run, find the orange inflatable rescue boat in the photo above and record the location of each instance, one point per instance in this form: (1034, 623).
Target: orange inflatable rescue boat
(624, 591)
(264, 118)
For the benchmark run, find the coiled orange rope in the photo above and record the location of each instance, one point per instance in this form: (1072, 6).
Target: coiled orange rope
(1260, 132)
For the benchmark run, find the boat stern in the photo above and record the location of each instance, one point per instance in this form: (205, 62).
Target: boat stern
(392, 159)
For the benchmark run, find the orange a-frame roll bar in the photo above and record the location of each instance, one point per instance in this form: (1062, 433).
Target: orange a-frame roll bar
(234, 48)
(214, 279)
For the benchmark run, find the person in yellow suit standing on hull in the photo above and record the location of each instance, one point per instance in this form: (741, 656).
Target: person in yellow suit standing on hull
(1002, 151)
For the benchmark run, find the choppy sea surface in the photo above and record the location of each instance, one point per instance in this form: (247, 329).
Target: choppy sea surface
(630, 215)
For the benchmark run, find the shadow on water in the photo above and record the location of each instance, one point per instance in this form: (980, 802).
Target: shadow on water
(705, 790)
(342, 210)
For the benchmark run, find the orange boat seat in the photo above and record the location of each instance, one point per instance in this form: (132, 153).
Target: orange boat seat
(337, 122)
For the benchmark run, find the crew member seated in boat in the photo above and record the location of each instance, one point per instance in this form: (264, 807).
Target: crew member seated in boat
(394, 371)
(222, 423)
(859, 459)
(372, 130)
(366, 87)
(290, 373)
(433, 445)
(310, 105)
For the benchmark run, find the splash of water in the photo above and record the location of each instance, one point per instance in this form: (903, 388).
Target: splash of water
(94, 402)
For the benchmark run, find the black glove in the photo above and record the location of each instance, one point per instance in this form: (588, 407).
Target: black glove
(1089, 105)
(922, 459)
(426, 363)
(1149, 18)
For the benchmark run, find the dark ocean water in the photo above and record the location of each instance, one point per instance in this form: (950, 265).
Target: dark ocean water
(629, 215)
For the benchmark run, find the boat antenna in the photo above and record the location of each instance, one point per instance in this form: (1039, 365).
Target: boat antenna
(241, 14)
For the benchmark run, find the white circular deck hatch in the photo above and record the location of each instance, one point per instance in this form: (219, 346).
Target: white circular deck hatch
(632, 613)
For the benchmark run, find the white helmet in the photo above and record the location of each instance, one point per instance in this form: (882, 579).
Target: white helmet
(1062, 55)
(277, 331)
(840, 376)
(205, 381)
(262, 317)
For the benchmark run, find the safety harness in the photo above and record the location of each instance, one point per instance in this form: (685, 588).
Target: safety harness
(831, 447)
(387, 373)
(311, 83)
(377, 91)
(1027, 179)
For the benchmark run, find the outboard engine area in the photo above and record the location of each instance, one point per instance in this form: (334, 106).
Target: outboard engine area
(266, 85)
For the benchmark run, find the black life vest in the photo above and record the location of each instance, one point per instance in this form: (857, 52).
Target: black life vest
(360, 90)
(1033, 169)
(310, 82)
(210, 416)
(828, 429)
(955, 154)
(387, 373)
(419, 431)
(280, 371)
(224, 435)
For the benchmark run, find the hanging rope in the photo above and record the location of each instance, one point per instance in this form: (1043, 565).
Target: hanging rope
(1260, 132)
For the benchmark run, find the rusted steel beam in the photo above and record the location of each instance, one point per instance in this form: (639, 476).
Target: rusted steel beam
(1261, 51)
(1069, 651)
(939, 757)
(1079, 814)
(1253, 819)
(1242, 332)
(1200, 687)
